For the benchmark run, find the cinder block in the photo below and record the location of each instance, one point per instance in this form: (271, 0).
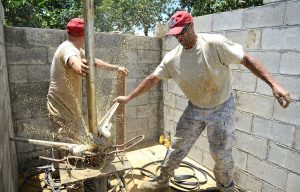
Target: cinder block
(50, 53)
(270, 188)
(270, 129)
(284, 157)
(246, 181)
(293, 182)
(137, 42)
(30, 55)
(267, 172)
(18, 74)
(181, 102)
(249, 39)
(292, 16)
(227, 20)
(38, 36)
(2, 57)
(289, 38)
(153, 123)
(138, 124)
(149, 57)
(169, 99)
(269, 15)
(243, 121)
(203, 23)
(140, 100)
(169, 43)
(244, 81)
(256, 104)
(177, 114)
(15, 36)
(289, 63)
(289, 115)
(38, 73)
(270, 59)
(169, 113)
(142, 111)
(1, 32)
(251, 144)
(130, 58)
(155, 96)
(131, 112)
(291, 83)
(132, 83)
(112, 40)
(240, 158)
(297, 138)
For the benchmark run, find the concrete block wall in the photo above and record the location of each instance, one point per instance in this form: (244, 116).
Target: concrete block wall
(8, 163)
(267, 152)
(29, 55)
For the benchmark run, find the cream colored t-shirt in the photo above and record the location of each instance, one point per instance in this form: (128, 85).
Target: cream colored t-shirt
(65, 90)
(203, 72)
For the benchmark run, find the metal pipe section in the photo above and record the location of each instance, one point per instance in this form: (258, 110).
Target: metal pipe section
(41, 142)
(88, 13)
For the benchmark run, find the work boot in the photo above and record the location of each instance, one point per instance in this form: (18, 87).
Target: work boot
(161, 183)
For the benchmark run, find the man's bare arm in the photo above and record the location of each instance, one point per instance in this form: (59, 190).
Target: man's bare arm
(79, 67)
(143, 87)
(257, 68)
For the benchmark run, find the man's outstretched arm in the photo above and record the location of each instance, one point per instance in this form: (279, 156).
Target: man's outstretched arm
(257, 68)
(143, 87)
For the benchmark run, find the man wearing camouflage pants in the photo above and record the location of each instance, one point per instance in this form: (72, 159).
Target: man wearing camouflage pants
(200, 67)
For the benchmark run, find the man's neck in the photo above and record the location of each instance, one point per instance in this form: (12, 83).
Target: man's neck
(75, 42)
(192, 42)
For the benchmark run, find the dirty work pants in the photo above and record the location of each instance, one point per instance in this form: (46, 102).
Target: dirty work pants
(219, 122)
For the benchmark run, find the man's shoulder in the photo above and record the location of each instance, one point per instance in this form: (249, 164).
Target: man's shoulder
(211, 38)
(67, 47)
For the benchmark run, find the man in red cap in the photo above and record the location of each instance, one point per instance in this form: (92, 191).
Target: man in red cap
(67, 69)
(200, 67)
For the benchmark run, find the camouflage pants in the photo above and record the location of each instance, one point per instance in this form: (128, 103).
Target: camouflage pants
(220, 125)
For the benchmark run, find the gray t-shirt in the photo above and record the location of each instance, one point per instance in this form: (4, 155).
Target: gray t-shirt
(203, 72)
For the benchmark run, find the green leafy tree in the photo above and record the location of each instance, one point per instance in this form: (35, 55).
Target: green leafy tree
(110, 15)
(204, 7)
(41, 13)
(126, 15)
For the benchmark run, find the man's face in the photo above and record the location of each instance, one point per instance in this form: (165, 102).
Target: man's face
(185, 36)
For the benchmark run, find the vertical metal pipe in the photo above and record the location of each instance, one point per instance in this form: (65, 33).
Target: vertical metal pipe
(120, 122)
(88, 12)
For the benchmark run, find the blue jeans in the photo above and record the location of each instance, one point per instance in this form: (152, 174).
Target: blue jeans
(220, 124)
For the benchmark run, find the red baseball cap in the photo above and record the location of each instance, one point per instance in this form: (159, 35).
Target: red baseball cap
(75, 27)
(178, 21)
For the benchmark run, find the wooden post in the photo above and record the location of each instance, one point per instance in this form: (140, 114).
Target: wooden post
(88, 12)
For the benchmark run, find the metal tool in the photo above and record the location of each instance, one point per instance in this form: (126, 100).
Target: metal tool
(105, 125)
(75, 149)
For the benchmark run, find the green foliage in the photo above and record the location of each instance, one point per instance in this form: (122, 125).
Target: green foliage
(41, 13)
(110, 15)
(125, 15)
(204, 7)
